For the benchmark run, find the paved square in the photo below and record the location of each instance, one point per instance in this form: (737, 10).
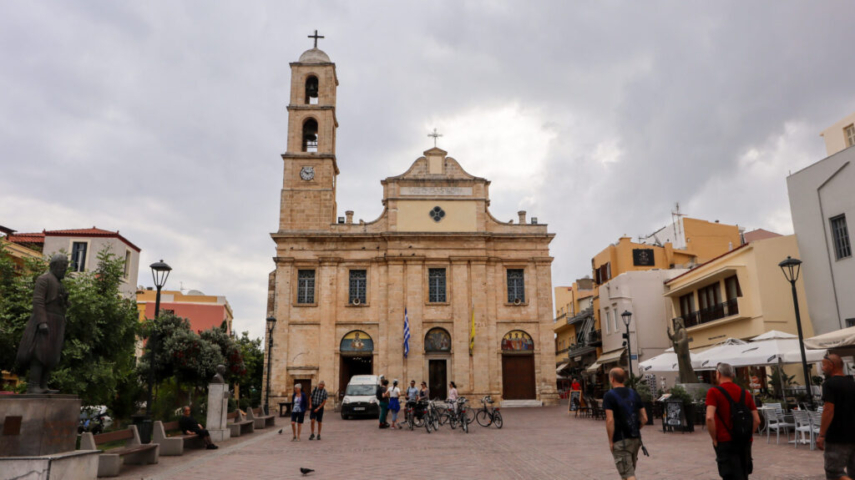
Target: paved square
(534, 443)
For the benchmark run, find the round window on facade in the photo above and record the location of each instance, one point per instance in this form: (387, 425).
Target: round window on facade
(437, 214)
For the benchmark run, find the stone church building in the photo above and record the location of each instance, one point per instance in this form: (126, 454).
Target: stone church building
(341, 288)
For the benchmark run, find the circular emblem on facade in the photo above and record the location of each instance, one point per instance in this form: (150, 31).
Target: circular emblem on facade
(307, 173)
(437, 214)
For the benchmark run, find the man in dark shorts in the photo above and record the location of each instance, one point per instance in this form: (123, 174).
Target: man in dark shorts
(316, 403)
(625, 416)
(733, 457)
(837, 430)
(189, 425)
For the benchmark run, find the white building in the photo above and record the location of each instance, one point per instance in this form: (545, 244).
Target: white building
(640, 293)
(822, 202)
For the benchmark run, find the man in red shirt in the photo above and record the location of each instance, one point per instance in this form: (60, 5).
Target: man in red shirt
(733, 457)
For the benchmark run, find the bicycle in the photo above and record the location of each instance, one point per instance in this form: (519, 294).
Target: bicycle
(431, 417)
(460, 415)
(415, 414)
(487, 416)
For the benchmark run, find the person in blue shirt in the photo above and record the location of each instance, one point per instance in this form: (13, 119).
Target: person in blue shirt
(625, 416)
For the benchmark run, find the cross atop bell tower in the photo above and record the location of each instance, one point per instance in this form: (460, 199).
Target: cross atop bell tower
(309, 184)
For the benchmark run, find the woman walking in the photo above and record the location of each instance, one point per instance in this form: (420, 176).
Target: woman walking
(394, 403)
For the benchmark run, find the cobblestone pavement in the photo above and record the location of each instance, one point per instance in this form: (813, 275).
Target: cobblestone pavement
(534, 443)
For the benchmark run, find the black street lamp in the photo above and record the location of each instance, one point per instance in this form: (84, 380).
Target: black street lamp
(627, 317)
(159, 273)
(791, 268)
(271, 323)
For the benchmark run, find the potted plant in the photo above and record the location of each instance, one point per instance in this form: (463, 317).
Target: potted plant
(647, 399)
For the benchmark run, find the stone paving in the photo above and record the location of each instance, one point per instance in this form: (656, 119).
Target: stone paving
(534, 443)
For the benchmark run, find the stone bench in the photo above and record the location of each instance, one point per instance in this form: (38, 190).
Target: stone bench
(239, 425)
(173, 445)
(133, 453)
(261, 420)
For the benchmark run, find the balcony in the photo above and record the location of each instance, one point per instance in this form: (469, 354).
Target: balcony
(584, 314)
(711, 314)
(595, 338)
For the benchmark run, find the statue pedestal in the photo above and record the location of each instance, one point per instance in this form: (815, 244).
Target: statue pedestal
(39, 434)
(218, 407)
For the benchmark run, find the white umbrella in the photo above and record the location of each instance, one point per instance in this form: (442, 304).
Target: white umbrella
(664, 362)
(836, 339)
(770, 352)
(773, 335)
(724, 352)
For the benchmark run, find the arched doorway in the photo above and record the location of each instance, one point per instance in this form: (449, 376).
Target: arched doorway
(438, 353)
(356, 353)
(518, 382)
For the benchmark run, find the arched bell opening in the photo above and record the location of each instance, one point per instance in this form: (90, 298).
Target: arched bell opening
(310, 135)
(312, 90)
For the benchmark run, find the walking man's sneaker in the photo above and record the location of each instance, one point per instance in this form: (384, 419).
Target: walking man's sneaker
(312, 437)
(319, 437)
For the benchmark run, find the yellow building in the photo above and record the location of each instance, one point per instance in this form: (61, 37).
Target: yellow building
(17, 252)
(741, 294)
(574, 324)
(839, 136)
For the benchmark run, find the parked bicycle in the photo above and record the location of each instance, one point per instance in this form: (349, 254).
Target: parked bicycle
(487, 416)
(460, 416)
(432, 416)
(416, 414)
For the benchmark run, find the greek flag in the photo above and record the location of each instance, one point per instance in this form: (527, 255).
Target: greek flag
(406, 334)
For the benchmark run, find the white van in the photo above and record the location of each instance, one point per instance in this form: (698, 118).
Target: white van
(360, 397)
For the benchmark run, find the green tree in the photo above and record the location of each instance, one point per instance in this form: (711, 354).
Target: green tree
(98, 354)
(253, 359)
(232, 355)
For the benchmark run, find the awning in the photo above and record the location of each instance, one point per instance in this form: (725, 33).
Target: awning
(837, 339)
(593, 368)
(611, 357)
(561, 367)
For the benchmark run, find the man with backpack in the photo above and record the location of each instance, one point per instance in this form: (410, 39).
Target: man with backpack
(732, 419)
(625, 416)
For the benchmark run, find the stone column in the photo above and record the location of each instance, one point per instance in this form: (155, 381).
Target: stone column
(218, 407)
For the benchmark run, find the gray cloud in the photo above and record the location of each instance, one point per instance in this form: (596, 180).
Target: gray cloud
(165, 120)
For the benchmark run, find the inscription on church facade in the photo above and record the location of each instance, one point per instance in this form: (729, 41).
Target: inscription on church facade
(437, 191)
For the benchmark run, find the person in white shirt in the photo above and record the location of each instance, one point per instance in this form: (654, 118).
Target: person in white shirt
(452, 395)
(394, 403)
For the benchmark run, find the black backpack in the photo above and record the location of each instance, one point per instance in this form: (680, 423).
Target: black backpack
(741, 418)
(629, 421)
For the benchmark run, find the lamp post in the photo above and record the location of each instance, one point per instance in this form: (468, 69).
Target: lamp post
(627, 317)
(271, 323)
(791, 268)
(159, 274)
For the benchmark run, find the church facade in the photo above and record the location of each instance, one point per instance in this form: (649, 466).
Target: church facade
(476, 292)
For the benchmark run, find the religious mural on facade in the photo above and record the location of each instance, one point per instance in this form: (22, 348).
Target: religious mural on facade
(437, 340)
(357, 342)
(517, 341)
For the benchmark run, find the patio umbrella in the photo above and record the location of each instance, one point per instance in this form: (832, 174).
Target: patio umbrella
(773, 335)
(664, 362)
(773, 352)
(725, 352)
(839, 339)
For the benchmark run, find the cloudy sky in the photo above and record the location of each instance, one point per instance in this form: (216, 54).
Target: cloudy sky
(165, 120)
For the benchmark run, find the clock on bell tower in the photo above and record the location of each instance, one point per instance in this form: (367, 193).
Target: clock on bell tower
(308, 200)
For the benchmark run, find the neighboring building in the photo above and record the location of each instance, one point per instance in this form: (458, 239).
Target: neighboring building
(576, 337)
(203, 311)
(341, 288)
(639, 293)
(822, 203)
(758, 234)
(82, 246)
(839, 136)
(741, 294)
(17, 252)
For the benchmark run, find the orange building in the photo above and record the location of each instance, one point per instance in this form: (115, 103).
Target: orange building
(203, 311)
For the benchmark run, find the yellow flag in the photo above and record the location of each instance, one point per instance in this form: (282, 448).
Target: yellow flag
(472, 332)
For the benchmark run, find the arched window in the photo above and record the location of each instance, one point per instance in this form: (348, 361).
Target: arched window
(517, 341)
(310, 135)
(437, 340)
(312, 88)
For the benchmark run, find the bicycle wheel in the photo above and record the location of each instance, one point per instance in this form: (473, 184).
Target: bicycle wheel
(464, 424)
(434, 422)
(497, 419)
(410, 420)
(442, 417)
(470, 416)
(452, 421)
(419, 422)
(483, 418)
(427, 422)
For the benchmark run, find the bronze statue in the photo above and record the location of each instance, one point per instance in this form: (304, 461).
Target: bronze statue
(41, 344)
(218, 377)
(680, 340)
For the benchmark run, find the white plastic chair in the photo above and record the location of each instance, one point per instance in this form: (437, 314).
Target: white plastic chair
(803, 426)
(776, 421)
(815, 423)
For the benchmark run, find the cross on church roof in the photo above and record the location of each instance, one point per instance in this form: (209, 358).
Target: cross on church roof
(316, 37)
(435, 135)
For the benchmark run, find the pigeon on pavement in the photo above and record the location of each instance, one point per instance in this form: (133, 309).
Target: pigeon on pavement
(280, 431)
(306, 471)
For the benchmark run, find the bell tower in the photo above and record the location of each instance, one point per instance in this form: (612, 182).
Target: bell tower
(308, 200)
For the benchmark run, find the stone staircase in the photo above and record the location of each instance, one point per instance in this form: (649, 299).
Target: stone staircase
(521, 403)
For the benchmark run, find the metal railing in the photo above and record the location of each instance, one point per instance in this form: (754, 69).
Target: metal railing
(713, 313)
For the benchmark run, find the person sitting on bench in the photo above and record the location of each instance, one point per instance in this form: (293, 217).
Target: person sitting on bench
(189, 425)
